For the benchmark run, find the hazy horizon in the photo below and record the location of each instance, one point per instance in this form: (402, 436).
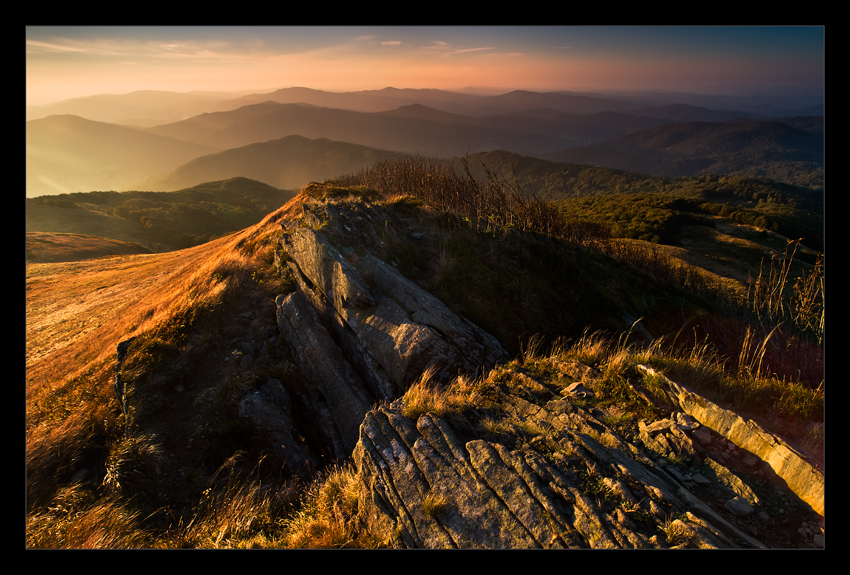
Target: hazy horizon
(71, 62)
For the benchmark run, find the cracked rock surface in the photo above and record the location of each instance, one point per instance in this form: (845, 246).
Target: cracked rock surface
(571, 482)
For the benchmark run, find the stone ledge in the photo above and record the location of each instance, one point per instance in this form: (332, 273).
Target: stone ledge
(802, 478)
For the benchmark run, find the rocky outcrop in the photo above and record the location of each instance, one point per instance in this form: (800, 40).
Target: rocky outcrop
(802, 477)
(562, 478)
(536, 465)
(404, 328)
(268, 412)
(322, 363)
(358, 331)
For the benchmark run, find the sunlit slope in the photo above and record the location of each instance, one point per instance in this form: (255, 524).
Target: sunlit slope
(48, 247)
(78, 312)
(70, 154)
(91, 222)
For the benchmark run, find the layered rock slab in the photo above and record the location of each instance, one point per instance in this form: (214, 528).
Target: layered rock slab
(805, 479)
(493, 496)
(321, 362)
(403, 327)
(358, 331)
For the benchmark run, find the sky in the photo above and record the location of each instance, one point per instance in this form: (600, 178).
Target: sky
(69, 62)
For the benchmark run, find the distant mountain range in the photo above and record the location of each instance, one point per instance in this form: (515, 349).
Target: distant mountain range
(141, 108)
(287, 163)
(412, 128)
(150, 108)
(67, 153)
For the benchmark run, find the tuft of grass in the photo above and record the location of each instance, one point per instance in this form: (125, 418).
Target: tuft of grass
(425, 395)
(133, 464)
(324, 191)
(676, 533)
(773, 297)
(591, 349)
(406, 204)
(329, 516)
(434, 504)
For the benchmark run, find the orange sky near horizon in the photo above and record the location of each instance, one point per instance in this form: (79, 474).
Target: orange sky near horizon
(67, 62)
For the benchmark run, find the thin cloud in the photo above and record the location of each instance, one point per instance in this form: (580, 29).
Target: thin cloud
(64, 45)
(448, 50)
(505, 55)
(471, 50)
(437, 45)
(137, 49)
(51, 47)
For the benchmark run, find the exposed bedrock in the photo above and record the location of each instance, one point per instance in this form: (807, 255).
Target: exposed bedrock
(359, 332)
(801, 476)
(563, 490)
(402, 326)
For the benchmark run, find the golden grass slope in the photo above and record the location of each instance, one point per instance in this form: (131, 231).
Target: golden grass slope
(43, 247)
(77, 312)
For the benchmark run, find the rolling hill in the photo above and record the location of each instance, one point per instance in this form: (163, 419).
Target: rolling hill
(756, 148)
(360, 101)
(416, 130)
(453, 102)
(287, 163)
(161, 221)
(69, 154)
(139, 108)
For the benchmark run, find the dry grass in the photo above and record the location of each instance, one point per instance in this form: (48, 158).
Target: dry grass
(787, 408)
(132, 463)
(242, 515)
(63, 427)
(493, 206)
(676, 533)
(76, 520)
(78, 312)
(434, 504)
(774, 298)
(330, 516)
(426, 395)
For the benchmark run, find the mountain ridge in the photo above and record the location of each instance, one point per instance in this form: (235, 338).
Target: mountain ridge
(532, 125)
(253, 384)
